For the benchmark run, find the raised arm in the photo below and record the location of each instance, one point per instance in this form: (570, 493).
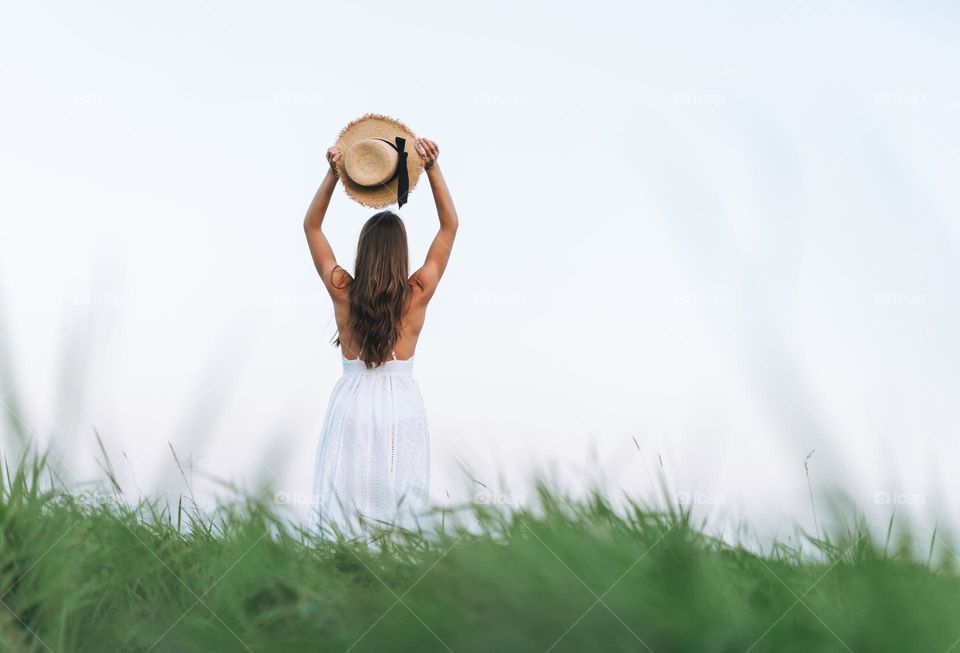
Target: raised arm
(427, 278)
(320, 249)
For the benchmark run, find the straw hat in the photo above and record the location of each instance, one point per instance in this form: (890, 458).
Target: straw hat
(379, 163)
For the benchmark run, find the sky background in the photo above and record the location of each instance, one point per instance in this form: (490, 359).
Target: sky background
(716, 237)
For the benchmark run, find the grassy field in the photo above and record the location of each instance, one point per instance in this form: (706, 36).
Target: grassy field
(88, 573)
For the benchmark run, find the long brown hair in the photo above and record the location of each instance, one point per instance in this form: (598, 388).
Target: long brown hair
(380, 290)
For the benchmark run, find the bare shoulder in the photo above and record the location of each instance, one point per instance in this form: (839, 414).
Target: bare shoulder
(421, 287)
(339, 284)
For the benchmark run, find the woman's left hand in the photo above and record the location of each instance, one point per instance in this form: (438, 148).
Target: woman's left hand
(333, 157)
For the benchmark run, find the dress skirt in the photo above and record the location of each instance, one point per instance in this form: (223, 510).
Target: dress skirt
(372, 465)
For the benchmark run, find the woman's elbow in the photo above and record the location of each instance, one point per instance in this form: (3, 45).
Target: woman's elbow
(310, 223)
(453, 222)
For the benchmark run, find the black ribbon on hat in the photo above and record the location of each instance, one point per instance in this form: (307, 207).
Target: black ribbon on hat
(403, 181)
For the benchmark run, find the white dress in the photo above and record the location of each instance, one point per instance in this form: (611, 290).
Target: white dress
(373, 460)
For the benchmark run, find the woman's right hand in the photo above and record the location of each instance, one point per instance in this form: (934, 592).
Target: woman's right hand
(429, 152)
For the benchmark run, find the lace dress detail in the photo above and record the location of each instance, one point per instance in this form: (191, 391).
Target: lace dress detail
(373, 460)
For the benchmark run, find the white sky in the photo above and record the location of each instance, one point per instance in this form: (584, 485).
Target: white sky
(729, 234)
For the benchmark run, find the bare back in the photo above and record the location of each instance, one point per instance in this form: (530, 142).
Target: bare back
(411, 324)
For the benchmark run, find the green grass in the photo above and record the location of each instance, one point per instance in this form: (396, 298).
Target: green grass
(566, 575)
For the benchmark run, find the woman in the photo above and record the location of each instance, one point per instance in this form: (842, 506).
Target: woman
(373, 460)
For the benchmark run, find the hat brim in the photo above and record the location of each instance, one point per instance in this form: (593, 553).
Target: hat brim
(374, 125)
